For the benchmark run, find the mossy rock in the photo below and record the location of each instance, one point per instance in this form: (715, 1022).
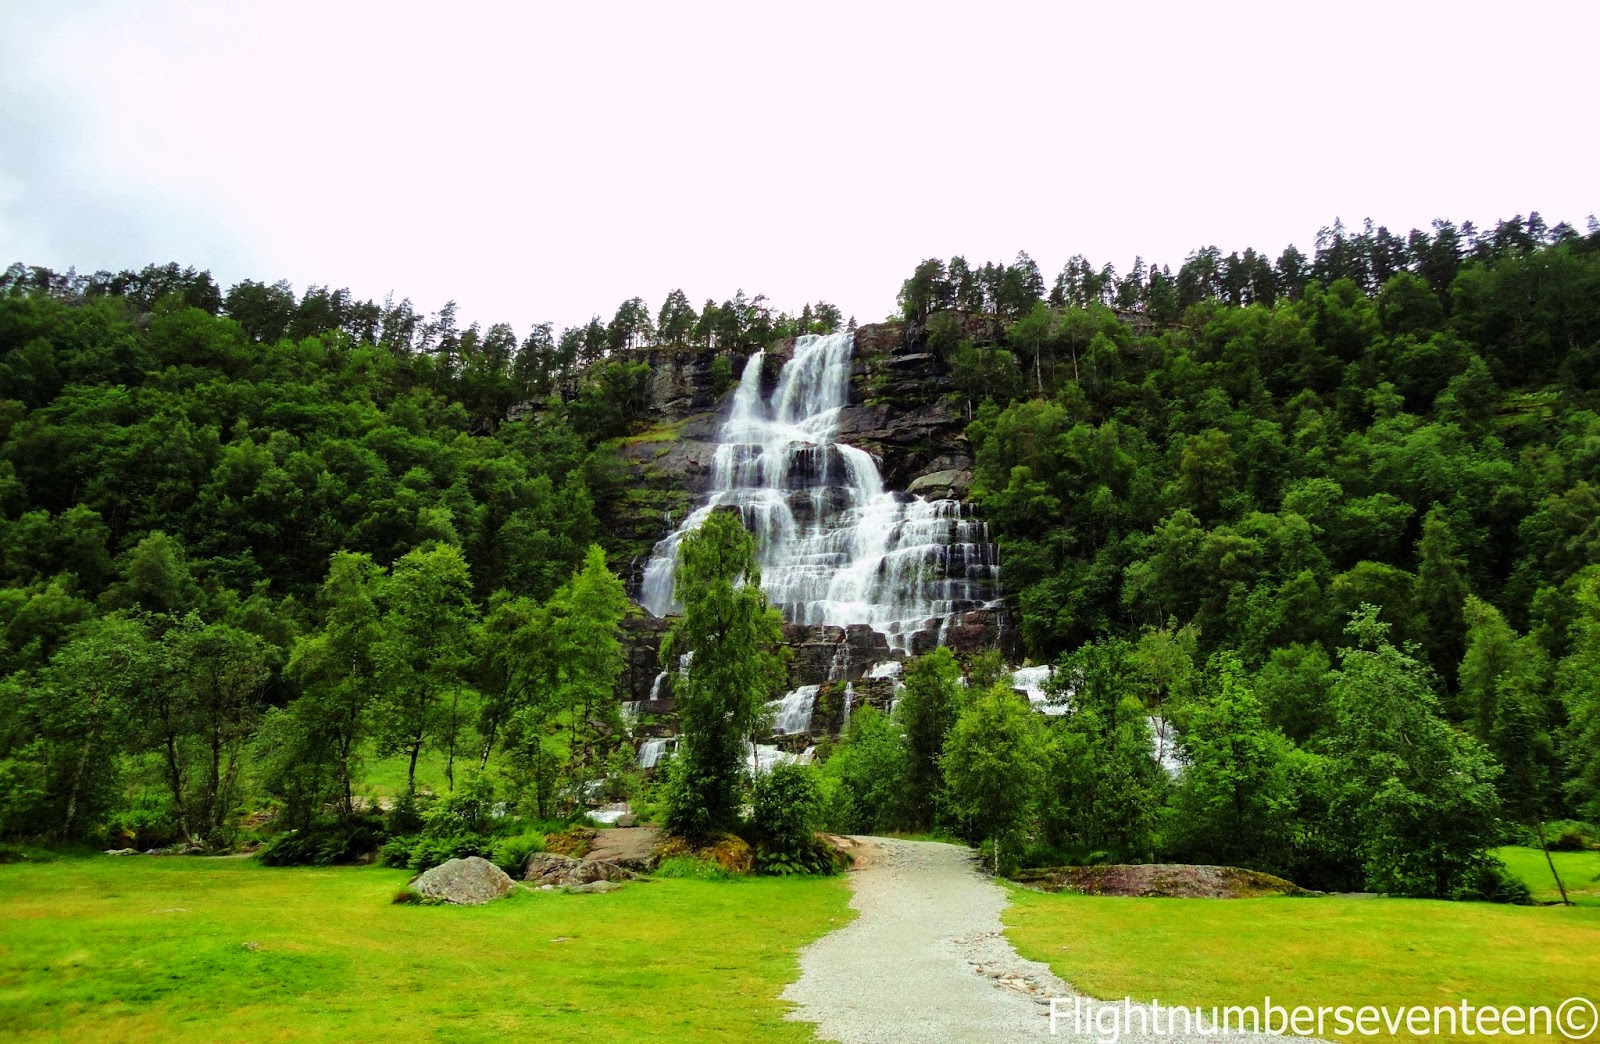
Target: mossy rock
(730, 852)
(1161, 880)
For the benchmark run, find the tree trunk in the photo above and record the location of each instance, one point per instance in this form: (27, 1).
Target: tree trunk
(79, 772)
(1538, 826)
(488, 747)
(77, 783)
(411, 771)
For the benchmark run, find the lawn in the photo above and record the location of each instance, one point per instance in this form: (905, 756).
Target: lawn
(1580, 872)
(1326, 951)
(176, 948)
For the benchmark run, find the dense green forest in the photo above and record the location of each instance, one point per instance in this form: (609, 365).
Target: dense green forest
(1333, 515)
(1336, 517)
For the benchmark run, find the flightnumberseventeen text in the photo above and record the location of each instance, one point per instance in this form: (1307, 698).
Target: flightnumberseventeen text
(1575, 1018)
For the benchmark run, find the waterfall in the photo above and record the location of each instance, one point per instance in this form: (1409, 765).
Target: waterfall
(793, 712)
(651, 751)
(833, 545)
(1031, 681)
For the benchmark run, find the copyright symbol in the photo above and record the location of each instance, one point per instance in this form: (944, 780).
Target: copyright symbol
(1577, 1017)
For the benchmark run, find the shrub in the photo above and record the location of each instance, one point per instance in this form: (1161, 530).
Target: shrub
(865, 778)
(324, 844)
(1491, 882)
(426, 851)
(467, 809)
(787, 809)
(146, 823)
(405, 817)
(511, 853)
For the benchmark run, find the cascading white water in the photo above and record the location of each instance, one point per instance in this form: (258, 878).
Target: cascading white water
(651, 751)
(792, 714)
(834, 546)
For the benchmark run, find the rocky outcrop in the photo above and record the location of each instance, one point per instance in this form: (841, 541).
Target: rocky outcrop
(900, 407)
(465, 882)
(559, 871)
(1162, 880)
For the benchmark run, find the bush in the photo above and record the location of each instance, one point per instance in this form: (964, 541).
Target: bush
(511, 853)
(1491, 882)
(1562, 835)
(865, 779)
(405, 817)
(146, 823)
(325, 844)
(787, 809)
(1569, 840)
(426, 851)
(460, 824)
(468, 809)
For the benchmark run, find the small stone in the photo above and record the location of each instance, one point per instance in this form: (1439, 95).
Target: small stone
(252, 946)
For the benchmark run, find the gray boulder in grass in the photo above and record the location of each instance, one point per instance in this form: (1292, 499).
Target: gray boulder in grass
(472, 881)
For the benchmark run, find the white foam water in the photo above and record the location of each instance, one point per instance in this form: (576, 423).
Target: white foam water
(792, 714)
(833, 545)
(651, 751)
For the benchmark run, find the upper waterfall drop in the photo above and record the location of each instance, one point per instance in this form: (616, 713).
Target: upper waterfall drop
(833, 545)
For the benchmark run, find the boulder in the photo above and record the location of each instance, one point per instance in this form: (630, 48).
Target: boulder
(548, 868)
(466, 882)
(951, 484)
(593, 887)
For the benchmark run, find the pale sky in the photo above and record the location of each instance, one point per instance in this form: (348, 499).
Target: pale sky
(542, 161)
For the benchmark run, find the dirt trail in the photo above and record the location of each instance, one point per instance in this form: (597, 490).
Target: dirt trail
(925, 960)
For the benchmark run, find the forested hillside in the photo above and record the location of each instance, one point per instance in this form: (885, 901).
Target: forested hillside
(1337, 511)
(1335, 516)
(180, 467)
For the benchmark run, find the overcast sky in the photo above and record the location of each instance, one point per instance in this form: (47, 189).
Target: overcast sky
(545, 161)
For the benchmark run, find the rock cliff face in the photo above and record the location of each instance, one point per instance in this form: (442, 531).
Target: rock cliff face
(900, 410)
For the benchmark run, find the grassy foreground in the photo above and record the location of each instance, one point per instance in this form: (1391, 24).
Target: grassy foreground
(159, 949)
(1315, 951)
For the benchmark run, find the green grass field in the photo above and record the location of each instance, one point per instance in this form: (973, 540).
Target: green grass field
(1325, 951)
(1580, 872)
(156, 949)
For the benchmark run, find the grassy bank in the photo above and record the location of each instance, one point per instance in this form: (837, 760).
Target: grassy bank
(1580, 872)
(1327, 951)
(144, 948)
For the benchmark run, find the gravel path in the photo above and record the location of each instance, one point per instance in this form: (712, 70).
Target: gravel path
(925, 960)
